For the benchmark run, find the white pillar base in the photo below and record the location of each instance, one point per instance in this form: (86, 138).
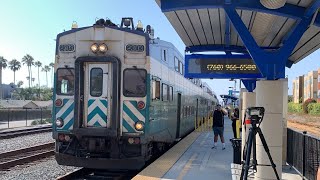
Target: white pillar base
(269, 94)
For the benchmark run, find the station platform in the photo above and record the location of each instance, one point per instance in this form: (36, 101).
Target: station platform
(192, 158)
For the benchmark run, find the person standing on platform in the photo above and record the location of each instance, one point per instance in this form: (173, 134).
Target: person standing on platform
(234, 118)
(218, 125)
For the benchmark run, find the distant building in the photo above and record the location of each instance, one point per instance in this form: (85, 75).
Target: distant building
(311, 86)
(7, 90)
(25, 104)
(298, 89)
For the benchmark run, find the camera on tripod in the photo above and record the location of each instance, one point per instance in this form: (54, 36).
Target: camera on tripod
(255, 113)
(255, 118)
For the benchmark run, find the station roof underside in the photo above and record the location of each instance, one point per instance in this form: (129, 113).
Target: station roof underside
(202, 25)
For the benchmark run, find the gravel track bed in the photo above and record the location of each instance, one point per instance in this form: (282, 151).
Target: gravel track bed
(44, 169)
(25, 141)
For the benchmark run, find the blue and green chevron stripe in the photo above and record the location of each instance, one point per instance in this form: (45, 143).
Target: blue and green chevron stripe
(130, 115)
(66, 113)
(97, 113)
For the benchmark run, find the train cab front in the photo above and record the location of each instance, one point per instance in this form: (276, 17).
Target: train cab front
(91, 108)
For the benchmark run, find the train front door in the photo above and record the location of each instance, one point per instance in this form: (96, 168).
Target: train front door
(96, 95)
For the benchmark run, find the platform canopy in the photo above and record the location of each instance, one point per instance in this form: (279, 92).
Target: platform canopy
(206, 25)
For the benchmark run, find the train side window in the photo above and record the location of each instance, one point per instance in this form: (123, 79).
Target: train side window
(176, 64)
(65, 81)
(155, 90)
(180, 67)
(187, 111)
(164, 54)
(184, 111)
(165, 96)
(170, 93)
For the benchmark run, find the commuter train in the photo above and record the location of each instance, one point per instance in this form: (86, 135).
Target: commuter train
(120, 96)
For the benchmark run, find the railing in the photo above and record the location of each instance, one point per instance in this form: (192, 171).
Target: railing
(303, 153)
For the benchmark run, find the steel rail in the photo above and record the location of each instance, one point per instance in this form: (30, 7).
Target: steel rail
(5, 134)
(85, 173)
(25, 155)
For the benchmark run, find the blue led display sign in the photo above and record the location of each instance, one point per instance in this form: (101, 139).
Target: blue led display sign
(221, 66)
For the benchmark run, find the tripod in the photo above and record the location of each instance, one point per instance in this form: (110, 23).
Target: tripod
(251, 146)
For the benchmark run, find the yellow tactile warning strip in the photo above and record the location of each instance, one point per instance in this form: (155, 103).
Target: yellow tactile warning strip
(186, 168)
(162, 165)
(203, 124)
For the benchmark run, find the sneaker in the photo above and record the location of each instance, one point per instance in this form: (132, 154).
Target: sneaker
(223, 148)
(213, 147)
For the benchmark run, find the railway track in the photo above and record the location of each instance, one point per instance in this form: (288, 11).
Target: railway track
(85, 173)
(25, 155)
(5, 134)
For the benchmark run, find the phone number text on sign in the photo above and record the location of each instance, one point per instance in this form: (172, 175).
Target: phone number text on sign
(231, 67)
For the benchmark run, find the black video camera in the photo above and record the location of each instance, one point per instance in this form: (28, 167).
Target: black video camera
(255, 113)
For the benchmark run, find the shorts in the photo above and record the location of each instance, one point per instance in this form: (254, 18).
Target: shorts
(218, 131)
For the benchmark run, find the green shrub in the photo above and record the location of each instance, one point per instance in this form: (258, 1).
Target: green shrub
(306, 103)
(49, 120)
(33, 123)
(314, 108)
(294, 108)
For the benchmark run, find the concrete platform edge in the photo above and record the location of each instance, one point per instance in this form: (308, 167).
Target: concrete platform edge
(162, 165)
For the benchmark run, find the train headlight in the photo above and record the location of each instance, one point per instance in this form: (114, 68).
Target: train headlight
(103, 48)
(139, 126)
(59, 122)
(94, 48)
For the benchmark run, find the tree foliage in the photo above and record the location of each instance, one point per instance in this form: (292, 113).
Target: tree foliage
(3, 62)
(306, 103)
(32, 94)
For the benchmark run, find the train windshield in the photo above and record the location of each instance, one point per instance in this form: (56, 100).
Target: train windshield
(134, 82)
(65, 81)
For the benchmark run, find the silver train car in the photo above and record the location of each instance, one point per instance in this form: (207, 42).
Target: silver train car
(120, 96)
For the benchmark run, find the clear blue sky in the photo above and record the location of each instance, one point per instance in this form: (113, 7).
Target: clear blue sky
(31, 27)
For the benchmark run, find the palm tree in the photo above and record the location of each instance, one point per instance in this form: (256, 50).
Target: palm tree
(19, 84)
(14, 65)
(46, 69)
(28, 78)
(3, 65)
(29, 61)
(32, 80)
(39, 65)
(52, 67)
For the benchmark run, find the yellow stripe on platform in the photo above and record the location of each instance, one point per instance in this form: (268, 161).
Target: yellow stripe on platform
(163, 164)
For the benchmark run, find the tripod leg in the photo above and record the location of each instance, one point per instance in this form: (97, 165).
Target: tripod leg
(266, 148)
(246, 164)
(254, 154)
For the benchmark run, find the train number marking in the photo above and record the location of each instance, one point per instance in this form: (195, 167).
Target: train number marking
(67, 48)
(135, 48)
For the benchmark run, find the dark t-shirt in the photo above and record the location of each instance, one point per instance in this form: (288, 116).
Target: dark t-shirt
(218, 119)
(235, 117)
